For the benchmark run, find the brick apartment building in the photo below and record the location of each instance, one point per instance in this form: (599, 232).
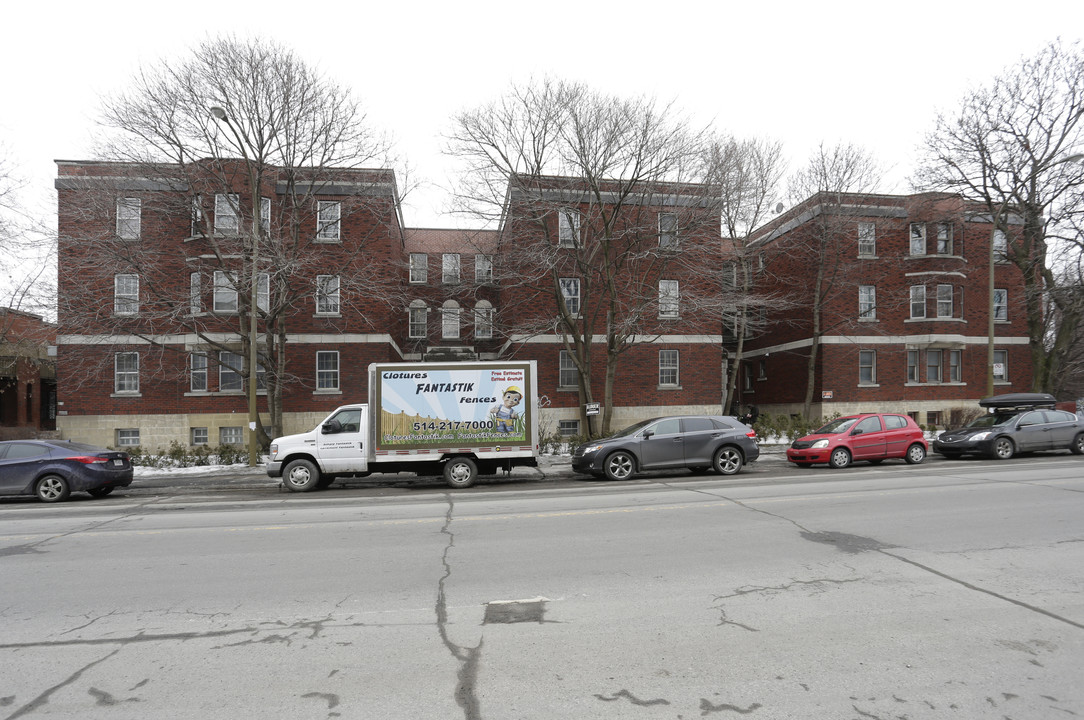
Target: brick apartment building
(27, 373)
(152, 320)
(905, 308)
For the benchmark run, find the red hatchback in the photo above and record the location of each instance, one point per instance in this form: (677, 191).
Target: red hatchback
(868, 436)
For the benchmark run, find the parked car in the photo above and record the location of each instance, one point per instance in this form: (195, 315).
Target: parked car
(696, 442)
(53, 469)
(1015, 423)
(873, 437)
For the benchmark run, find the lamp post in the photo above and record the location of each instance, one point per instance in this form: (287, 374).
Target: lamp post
(1076, 157)
(253, 311)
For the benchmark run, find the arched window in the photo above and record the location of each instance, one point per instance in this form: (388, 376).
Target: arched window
(449, 320)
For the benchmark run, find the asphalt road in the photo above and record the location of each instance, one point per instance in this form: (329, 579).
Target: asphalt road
(944, 590)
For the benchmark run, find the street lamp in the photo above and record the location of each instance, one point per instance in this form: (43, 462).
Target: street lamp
(253, 413)
(1075, 157)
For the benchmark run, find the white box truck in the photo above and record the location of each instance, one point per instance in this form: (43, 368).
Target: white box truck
(459, 420)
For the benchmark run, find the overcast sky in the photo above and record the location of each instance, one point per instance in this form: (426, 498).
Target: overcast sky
(870, 73)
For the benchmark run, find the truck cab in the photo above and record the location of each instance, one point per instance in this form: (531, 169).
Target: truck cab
(337, 446)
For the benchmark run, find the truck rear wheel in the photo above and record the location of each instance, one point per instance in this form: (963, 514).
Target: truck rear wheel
(300, 476)
(460, 472)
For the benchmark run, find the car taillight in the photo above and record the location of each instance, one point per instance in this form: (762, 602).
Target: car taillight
(752, 434)
(89, 459)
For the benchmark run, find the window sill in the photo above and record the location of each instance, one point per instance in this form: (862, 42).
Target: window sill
(669, 387)
(935, 384)
(568, 388)
(328, 241)
(224, 393)
(868, 320)
(126, 395)
(669, 317)
(868, 257)
(935, 319)
(869, 385)
(327, 392)
(328, 315)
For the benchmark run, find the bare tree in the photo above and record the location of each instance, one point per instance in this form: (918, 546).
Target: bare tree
(577, 180)
(832, 174)
(233, 115)
(1014, 146)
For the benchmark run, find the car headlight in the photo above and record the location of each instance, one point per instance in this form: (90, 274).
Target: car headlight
(591, 448)
(981, 435)
(274, 450)
(819, 444)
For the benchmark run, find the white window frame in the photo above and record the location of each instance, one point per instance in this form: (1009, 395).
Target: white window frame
(417, 320)
(450, 325)
(419, 268)
(483, 268)
(568, 375)
(327, 370)
(127, 437)
(568, 228)
(199, 436)
(197, 216)
(1000, 247)
(570, 295)
(328, 295)
(1001, 305)
(129, 218)
(944, 238)
(669, 299)
(225, 292)
(227, 214)
(917, 235)
(912, 366)
(483, 320)
(265, 215)
(668, 230)
(328, 221)
(195, 301)
(126, 373)
(918, 301)
(867, 239)
(226, 371)
(954, 368)
(231, 435)
(568, 428)
(1004, 363)
(934, 366)
(450, 268)
(867, 367)
(198, 377)
(669, 368)
(867, 302)
(126, 294)
(263, 291)
(945, 304)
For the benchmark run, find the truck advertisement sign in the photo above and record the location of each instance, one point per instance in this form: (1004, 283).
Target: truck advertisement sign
(448, 406)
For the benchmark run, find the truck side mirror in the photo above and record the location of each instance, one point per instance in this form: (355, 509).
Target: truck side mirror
(331, 427)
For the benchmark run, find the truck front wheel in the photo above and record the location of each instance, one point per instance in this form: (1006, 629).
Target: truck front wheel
(460, 472)
(300, 476)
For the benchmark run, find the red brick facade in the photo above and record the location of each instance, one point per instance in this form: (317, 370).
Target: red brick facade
(27, 373)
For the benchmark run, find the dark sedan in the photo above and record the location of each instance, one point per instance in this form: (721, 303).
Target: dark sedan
(54, 469)
(1004, 433)
(696, 442)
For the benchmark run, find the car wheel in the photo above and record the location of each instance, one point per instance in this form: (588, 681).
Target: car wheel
(1077, 446)
(300, 476)
(52, 488)
(840, 458)
(728, 460)
(101, 491)
(620, 466)
(1003, 448)
(460, 472)
(915, 454)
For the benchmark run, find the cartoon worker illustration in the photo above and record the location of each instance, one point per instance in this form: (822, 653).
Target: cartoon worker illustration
(504, 414)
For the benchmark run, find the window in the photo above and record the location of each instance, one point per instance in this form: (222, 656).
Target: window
(199, 436)
(933, 417)
(227, 208)
(263, 291)
(669, 298)
(668, 230)
(933, 366)
(569, 374)
(418, 314)
(127, 437)
(225, 292)
(128, 218)
(867, 239)
(912, 366)
(449, 320)
(483, 269)
(450, 268)
(944, 238)
(944, 301)
(953, 369)
(668, 368)
(868, 425)
(229, 372)
(327, 294)
(194, 302)
(197, 216)
(126, 294)
(568, 428)
(198, 378)
(918, 301)
(483, 320)
(1001, 304)
(867, 302)
(570, 293)
(327, 370)
(231, 435)
(126, 372)
(918, 238)
(568, 228)
(867, 367)
(762, 367)
(327, 220)
(747, 374)
(265, 215)
(895, 422)
(1001, 365)
(1001, 246)
(419, 268)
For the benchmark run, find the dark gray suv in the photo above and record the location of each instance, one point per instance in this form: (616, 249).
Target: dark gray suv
(696, 442)
(1015, 423)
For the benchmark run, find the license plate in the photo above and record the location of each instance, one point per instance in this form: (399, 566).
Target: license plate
(118, 462)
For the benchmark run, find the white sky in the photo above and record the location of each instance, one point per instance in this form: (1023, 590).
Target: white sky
(871, 73)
